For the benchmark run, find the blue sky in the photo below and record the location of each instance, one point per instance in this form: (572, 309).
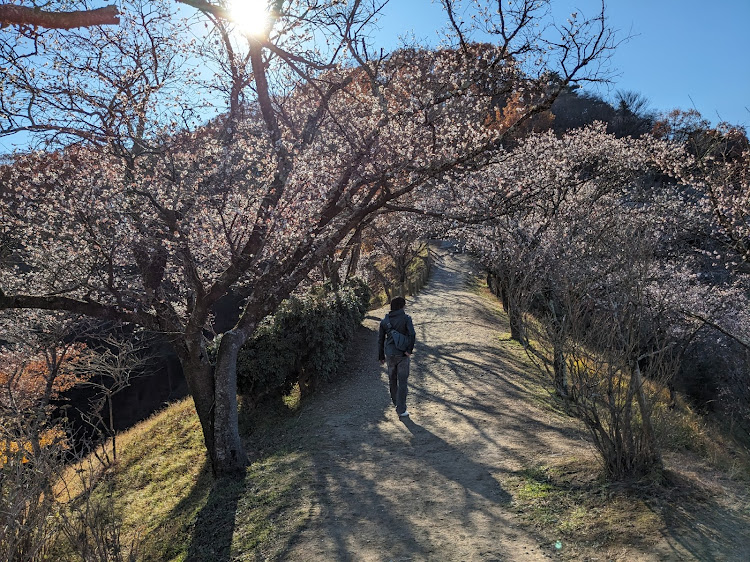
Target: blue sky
(682, 54)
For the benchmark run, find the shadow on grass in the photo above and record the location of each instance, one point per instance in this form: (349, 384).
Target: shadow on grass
(201, 526)
(573, 503)
(699, 524)
(212, 532)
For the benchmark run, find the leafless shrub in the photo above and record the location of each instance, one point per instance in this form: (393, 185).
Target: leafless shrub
(109, 370)
(54, 500)
(27, 508)
(610, 378)
(89, 524)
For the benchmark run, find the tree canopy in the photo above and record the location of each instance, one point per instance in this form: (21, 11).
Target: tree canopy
(138, 213)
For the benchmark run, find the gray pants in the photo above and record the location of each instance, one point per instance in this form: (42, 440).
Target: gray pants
(398, 375)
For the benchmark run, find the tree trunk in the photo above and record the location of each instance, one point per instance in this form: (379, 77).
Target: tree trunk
(648, 428)
(561, 372)
(501, 291)
(229, 451)
(402, 281)
(492, 284)
(558, 325)
(112, 427)
(214, 392)
(515, 317)
(330, 269)
(356, 250)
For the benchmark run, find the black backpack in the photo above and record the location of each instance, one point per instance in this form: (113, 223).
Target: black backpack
(400, 340)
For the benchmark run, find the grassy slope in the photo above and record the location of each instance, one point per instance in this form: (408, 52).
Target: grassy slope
(168, 501)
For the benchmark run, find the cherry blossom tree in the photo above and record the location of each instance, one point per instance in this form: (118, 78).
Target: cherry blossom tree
(151, 220)
(723, 174)
(397, 244)
(713, 200)
(610, 327)
(611, 270)
(574, 234)
(715, 174)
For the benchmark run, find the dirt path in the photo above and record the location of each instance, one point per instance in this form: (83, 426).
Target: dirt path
(427, 489)
(431, 489)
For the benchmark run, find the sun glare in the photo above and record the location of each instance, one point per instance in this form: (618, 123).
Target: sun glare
(251, 16)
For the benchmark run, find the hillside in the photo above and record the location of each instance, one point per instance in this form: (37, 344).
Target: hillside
(486, 468)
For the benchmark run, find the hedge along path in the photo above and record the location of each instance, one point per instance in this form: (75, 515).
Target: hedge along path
(430, 488)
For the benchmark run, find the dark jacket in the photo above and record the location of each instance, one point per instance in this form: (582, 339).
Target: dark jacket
(401, 322)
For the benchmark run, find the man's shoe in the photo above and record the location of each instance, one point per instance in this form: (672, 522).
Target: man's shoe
(405, 414)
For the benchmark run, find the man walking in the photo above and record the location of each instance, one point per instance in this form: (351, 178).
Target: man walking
(396, 339)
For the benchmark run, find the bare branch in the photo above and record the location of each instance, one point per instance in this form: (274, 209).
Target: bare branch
(448, 5)
(708, 322)
(19, 15)
(88, 308)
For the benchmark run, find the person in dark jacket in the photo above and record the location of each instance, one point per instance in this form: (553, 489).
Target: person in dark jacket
(397, 359)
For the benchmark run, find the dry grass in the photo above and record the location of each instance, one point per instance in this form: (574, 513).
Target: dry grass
(166, 502)
(569, 503)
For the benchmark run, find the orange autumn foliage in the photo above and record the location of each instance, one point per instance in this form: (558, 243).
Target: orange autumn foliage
(506, 117)
(11, 448)
(27, 385)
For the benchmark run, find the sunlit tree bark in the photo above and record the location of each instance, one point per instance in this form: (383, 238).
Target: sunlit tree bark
(13, 14)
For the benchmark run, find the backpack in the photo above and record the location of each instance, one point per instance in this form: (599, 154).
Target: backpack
(401, 341)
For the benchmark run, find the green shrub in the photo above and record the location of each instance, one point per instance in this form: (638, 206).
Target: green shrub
(303, 342)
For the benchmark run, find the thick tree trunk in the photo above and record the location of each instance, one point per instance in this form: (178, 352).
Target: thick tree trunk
(229, 453)
(500, 288)
(502, 292)
(214, 392)
(356, 250)
(515, 317)
(493, 284)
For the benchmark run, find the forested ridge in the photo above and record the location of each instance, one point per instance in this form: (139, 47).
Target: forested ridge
(237, 202)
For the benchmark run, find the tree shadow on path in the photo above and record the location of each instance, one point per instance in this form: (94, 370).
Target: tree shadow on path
(384, 489)
(411, 489)
(461, 469)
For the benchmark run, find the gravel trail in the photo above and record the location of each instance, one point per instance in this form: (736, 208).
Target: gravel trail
(428, 488)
